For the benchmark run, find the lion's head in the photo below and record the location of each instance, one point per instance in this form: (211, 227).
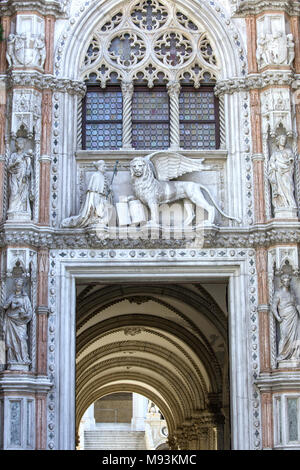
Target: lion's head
(138, 167)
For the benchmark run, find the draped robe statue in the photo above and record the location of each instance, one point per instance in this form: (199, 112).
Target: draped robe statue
(19, 179)
(18, 313)
(95, 209)
(287, 313)
(281, 175)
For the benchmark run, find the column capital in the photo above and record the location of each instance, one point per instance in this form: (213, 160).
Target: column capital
(173, 87)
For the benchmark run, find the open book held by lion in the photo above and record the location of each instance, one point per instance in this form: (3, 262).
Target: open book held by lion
(151, 177)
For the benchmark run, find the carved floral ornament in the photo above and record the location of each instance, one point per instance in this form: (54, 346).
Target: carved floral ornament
(149, 41)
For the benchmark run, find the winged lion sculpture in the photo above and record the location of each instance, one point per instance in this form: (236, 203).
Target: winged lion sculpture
(151, 178)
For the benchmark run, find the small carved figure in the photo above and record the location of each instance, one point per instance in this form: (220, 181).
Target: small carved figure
(281, 175)
(96, 208)
(40, 50)
(291, 49)
(19, 168)
(18, 314)
(25, 49)
(275, 49)
(169, 165)
(10, 49)
(287, 313)
(261, 53)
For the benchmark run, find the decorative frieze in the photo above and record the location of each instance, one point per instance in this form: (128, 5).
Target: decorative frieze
(256, 7)
(57, 8)
(41, 82)
(213, 237)
(254, 81)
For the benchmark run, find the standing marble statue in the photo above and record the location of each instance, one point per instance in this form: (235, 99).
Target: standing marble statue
(287, 313)
(18, 313)
(281, 175)
(96, 208)
(19, 169)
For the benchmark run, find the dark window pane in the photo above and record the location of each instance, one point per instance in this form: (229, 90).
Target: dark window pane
(197, 106)
(102, 122)
(103, 106)
(198, 119)
(103, 136)
(197, 136)
(153, 105)
(150, 135)
(150, 119)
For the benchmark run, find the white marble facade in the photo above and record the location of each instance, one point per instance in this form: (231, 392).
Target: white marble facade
(194, 219)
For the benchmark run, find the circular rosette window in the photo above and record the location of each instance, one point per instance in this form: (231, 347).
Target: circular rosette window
(149, 15)
(127, 49)
(173, 49)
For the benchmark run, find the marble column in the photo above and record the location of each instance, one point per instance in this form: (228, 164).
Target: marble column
(49, 42)
(263, 309)
(251, 43)
(5, 22)
(267, 420)
(42, 311)
(45, 159)
(257, 157)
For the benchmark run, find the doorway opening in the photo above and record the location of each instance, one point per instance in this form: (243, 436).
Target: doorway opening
(154, 346)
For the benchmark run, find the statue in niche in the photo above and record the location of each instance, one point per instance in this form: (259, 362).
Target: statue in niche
(18, 313)
(286, 311)
(281, 175)
(96, 207)
(151, 177)
(19, 167)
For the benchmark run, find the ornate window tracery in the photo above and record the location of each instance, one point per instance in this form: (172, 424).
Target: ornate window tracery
(152, 43)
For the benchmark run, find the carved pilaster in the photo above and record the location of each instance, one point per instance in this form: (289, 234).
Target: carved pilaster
(251, 43)
(41, 421)
(45, 160)
(49, 42)
(5, 23)
(127, 90)
(174, 90)
(263, 310)
(258, 164)
(42, 311)
(295, 29)
(267, 420)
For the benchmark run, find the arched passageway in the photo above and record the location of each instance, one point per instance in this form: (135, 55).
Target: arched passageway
(166, 342)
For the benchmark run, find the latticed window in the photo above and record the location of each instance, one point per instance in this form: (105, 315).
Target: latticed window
(163, 68)
(198, 117)
(150, 118)
(102, 119)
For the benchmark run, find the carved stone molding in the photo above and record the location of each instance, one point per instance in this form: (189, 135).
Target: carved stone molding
(254, 81)
(254, 7)
(58, 8)
(40, 81)
(213, 238)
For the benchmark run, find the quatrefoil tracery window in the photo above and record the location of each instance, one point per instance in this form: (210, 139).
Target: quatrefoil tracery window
(151, 43)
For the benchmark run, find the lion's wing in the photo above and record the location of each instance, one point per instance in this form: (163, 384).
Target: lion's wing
(171, 165)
